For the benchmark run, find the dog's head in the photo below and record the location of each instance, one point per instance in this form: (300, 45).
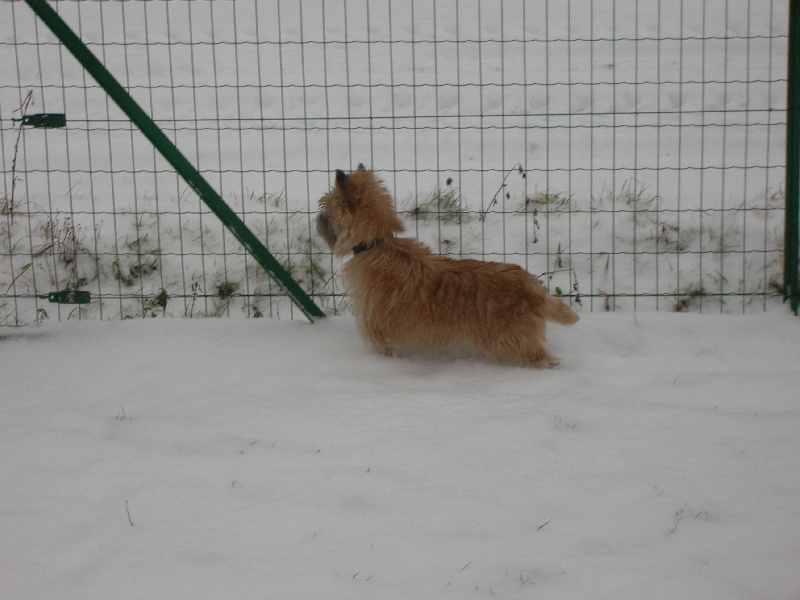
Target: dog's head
(357, 212)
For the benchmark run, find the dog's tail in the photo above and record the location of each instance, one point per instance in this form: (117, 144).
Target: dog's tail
(554, 309)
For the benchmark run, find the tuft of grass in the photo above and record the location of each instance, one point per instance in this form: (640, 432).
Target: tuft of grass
(270, 199)
(553, 202)
(689, 299)
(64, 245)
(445, 205)
(308, 267)
(685, 512)
(635, 195)
(223, 295)
(142, 259)
(158, 302)
(255, 310)
(226, 290)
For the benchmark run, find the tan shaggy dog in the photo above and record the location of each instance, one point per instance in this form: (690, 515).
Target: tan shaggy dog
(406, 298)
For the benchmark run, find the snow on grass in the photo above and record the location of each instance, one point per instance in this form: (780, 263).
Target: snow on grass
(652, 139)
(267, 459)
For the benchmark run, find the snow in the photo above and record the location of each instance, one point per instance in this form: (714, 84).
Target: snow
(277, 459)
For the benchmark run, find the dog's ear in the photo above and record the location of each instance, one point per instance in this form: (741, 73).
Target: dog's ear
(348, 202)
(361, 167)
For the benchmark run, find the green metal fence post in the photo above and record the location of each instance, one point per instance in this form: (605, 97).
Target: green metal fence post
(175, 158)
(791, 248)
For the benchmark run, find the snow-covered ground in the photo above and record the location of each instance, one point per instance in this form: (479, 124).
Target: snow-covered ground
(259, 458)
(245, 459)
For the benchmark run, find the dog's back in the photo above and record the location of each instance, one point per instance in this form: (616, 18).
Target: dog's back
(515, 280)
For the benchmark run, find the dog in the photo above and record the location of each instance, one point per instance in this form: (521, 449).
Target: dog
(405, 298)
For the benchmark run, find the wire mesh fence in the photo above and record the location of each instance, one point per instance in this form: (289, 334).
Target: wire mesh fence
(631, 153)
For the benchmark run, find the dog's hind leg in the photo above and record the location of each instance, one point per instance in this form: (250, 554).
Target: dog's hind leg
(522, 347)
(524, 355)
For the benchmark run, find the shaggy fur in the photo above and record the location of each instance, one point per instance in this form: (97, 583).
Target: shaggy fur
(406, 298)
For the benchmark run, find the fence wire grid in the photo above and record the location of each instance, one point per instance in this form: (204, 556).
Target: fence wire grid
(630, 152)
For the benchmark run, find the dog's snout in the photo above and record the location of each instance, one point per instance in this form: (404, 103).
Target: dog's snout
(324, 228)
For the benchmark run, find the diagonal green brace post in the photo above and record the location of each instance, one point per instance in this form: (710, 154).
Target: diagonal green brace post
(175, 158)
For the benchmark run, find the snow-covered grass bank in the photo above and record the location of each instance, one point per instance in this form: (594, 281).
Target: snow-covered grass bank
(264, 459)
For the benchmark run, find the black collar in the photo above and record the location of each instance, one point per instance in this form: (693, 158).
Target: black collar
(363, 247)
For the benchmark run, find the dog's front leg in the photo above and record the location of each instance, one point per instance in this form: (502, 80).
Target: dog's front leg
(376, 337)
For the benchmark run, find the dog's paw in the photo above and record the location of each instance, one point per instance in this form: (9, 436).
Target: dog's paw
(547, 363)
